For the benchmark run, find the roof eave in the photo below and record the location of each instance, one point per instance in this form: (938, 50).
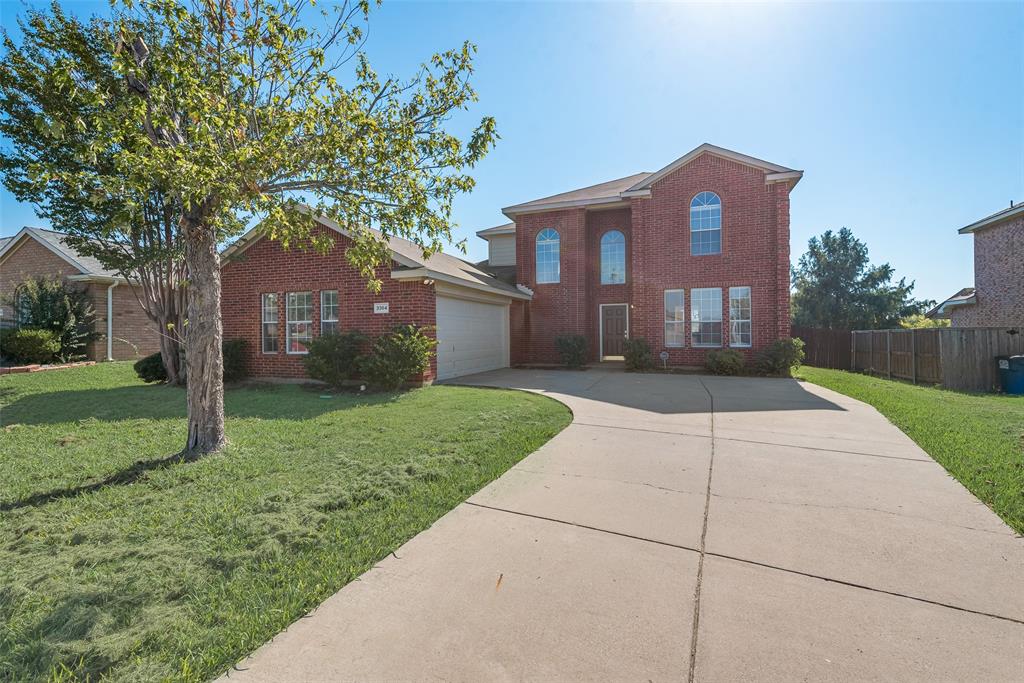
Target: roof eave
(992, 220)
(427, 273)
(520, 209)
(722, 152)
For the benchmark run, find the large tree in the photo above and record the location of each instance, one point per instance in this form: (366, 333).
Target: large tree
(131, 230)
(244, 110)
(836, 286)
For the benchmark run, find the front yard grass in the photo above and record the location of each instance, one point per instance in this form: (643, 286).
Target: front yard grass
(115, 563)
(978, 438)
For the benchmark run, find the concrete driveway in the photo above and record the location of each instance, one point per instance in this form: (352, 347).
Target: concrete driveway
(687, 528)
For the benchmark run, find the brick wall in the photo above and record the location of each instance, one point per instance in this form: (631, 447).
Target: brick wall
(755, 253)
(265, 267)
(998, 278)
(134, 334)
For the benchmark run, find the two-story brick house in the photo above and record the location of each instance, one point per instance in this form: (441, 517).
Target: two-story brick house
(692, 257)
(997, 298)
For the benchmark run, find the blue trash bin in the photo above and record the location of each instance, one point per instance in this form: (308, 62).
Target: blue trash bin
(1011, 373)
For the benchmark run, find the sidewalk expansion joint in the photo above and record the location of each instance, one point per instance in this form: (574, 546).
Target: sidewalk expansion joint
(703, 542)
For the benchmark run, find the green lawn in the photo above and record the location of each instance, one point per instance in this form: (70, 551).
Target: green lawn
(115, 564)
(978, 438)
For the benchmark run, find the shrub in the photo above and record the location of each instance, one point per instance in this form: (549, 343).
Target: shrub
(397, 356)
(638, 355)
(572, 348)
(780, 357)
(724, 362)
(151, 368)
(233, 351)
(49, 304)
(334, 358)
(31, 345)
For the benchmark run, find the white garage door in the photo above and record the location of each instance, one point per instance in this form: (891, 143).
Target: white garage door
(472, 336)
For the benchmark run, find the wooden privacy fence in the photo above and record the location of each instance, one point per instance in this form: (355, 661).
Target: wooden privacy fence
(961, 358)
(825, 348)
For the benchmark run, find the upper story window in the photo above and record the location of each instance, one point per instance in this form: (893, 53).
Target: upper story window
(613, 258)
(706, 224)
(548, 263)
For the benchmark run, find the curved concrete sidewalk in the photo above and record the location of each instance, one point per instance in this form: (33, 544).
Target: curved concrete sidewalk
(687, 528)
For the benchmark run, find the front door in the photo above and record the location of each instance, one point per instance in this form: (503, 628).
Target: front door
(614, 329)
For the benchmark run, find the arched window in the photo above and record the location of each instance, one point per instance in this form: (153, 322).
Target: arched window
(548, 269)
(613, 258)
(705, 224)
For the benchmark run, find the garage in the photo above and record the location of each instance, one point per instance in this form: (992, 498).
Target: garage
(472, 336)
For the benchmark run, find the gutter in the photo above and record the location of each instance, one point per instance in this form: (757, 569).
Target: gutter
(110, 320)
(425, 273)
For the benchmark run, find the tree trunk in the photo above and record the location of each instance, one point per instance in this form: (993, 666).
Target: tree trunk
(171, 356)
(204, 364)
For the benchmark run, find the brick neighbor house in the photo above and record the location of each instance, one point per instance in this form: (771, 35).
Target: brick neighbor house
(278, 299)
(125, 331)
(692, 257)
(997, 298)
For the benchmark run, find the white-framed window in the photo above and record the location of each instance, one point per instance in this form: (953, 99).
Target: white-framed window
(613, 258)
(268, 327)
(739, 316)
(329, 311)
(705, 224)
(299, 316)
(675, 317)
(548, 261)
(706, 316)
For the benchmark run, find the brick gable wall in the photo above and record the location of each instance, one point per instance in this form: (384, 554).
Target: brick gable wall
(266, 267)
(134, 334)
(998, 278)
(755, 253)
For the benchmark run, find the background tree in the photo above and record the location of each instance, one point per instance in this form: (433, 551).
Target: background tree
(918, 321)
(837, 287)
(132, 231)
(238, 111)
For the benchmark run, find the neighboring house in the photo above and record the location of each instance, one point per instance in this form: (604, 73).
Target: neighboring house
(127, 332)
(692, 257)
(279, 299)
(997, 298)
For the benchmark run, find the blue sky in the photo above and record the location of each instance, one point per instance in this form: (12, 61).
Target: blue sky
(907, 118)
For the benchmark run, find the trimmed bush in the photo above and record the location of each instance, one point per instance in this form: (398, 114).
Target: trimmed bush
(334, 358)
(724, 362)
(151, 368)
(31, 346)
(233, 351)
(638, 355)
(572, 348)
(780, 357)
(397, 356)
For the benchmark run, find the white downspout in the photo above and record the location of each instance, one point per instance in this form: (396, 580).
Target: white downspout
(110, 320)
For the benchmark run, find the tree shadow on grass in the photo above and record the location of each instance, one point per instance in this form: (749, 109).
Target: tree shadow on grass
(162, 402)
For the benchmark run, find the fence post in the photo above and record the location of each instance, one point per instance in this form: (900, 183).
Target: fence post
(853, 351)
(913, 355)
(871, 352)
(888, 354)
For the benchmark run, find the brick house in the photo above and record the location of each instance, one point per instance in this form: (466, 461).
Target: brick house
(997, 298)
(126, 332)
(278, 299)
(692, 257)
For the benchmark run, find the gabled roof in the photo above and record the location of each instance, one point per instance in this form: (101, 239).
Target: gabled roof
(412, 264)
(56, 242)
(503, 229)
(961, 298)
(618, 191)
(1011, 212)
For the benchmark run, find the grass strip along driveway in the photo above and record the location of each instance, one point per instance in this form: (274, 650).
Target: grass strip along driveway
(978, 438)
(116, 562)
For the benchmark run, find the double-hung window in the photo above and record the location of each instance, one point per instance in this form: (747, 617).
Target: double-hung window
(675, 317)
(269, 325)
(299, 314)
(739, 316)
(328, 312)
(706, 316)
(548, 258)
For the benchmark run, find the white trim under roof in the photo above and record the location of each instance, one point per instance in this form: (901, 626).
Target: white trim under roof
(994, 218)
(773, 169)
(30, 232)
(509, 229)
(428, 274)
(604, 202)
